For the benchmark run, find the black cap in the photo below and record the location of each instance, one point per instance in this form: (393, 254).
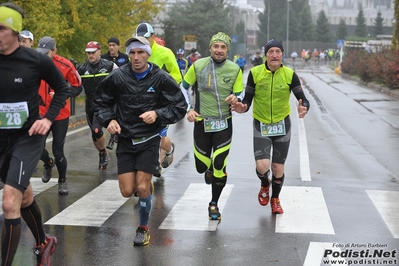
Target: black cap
(273, 43)
(114, 40)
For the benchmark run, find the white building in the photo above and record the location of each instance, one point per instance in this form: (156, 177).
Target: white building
(348, 10)
(248, 13)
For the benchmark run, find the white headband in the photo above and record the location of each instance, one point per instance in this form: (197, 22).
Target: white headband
(137, 44)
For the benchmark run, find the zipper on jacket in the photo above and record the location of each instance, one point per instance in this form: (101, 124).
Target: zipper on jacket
(271, 99)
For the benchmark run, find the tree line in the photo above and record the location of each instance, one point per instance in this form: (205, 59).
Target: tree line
(74, 23)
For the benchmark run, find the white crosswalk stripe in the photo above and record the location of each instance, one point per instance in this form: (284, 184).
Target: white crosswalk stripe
(94, 208)
(305, 211)
(191, 210)
(386, 202)
(316, 251)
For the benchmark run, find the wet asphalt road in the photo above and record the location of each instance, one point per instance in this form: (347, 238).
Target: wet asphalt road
(341, 188)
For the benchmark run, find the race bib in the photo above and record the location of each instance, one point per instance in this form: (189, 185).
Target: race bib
(13, 115)
(215, 125)
(270, 130)
(136, 141)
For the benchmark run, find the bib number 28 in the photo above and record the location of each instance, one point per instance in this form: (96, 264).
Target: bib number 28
(13, 115)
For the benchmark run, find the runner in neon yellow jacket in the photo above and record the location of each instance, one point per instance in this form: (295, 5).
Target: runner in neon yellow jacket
(270, 86)
(216, 82)
(161, 56)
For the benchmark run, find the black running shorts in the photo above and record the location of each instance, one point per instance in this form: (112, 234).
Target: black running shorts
(280, 144)
(19, 158)
(140, 157)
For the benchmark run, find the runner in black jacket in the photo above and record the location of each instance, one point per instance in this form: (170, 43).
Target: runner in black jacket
(146, 98)
(23, 133)
(92, 72)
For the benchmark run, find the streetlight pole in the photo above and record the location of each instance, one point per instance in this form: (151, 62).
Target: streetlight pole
(288, 29)
(268, 19)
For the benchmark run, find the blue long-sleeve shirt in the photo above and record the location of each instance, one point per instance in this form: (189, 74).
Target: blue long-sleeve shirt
(241, 62)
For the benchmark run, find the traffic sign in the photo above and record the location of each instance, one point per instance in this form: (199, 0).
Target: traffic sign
(340, 43)
(234, 38)
(190, 45)
(190, 38)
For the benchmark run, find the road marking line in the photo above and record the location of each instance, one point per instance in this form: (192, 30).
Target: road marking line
(315, 253)
(94, 208)
(191, 210)
(37, 187)
(303, 148)
(305, 211)
(303, 152)
(386, 202)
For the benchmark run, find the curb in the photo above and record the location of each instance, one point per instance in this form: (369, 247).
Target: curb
(76, 120)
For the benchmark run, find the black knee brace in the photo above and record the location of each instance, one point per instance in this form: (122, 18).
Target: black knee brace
(96, 133)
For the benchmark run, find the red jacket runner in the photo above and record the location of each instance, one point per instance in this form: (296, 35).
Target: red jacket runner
(70, 74)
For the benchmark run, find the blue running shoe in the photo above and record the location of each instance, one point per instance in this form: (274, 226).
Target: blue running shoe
(213, 211)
